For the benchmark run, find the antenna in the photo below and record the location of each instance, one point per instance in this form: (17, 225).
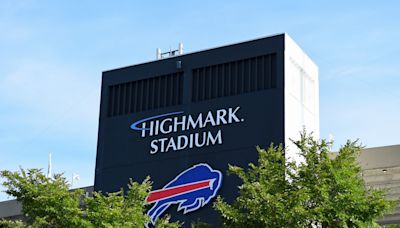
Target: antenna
(49, 167)
(158, 53)
(170, 53)
(74, 177)
(180, 48)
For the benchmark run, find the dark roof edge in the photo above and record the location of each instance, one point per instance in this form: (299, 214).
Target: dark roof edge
(203, 50)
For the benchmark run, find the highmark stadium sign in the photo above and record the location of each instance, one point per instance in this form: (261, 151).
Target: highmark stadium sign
(175, 122)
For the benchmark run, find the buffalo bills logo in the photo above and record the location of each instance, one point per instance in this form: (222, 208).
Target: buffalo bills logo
(191, 189)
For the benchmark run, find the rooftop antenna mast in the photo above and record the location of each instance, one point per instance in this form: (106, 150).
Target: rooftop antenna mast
(170, 53)
(74, 177)
(49, 167)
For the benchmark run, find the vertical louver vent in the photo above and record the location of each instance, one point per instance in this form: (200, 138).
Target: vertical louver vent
(147, 94)
(233, 78)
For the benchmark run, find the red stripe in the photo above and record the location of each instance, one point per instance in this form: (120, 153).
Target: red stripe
(173, 191)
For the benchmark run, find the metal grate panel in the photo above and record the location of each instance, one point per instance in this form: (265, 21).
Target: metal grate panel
(233, 78)
(146, 94)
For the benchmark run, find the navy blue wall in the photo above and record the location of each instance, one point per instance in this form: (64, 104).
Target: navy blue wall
(122, 152)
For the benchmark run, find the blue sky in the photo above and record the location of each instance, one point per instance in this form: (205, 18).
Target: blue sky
(52, 54)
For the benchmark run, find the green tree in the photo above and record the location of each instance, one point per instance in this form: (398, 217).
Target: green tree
(321, 191)
(48, 202)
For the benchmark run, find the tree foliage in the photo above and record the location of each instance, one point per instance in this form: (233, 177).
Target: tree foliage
(48, 202)
(321, 191)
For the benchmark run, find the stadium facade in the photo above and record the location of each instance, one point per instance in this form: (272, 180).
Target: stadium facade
(183, 119)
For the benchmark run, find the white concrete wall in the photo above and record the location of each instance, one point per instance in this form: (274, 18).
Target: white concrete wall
(301, 95)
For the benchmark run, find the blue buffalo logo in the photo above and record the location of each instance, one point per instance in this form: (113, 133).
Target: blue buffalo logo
(191, 190)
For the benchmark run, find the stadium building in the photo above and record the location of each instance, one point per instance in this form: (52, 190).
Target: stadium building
(183, 118)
